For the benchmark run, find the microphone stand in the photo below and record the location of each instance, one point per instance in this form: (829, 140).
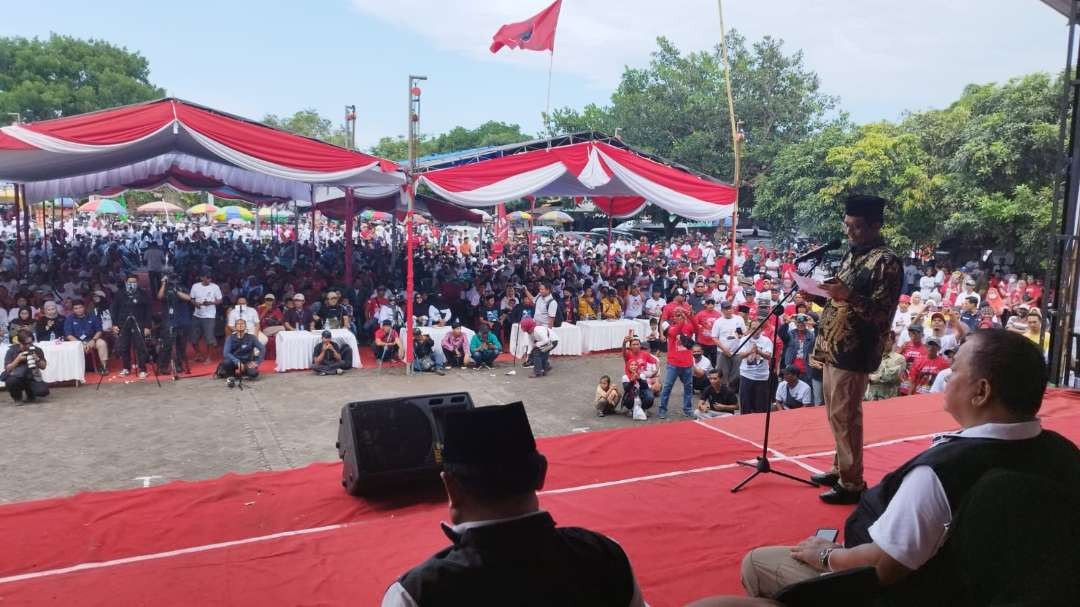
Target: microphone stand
(761, 463)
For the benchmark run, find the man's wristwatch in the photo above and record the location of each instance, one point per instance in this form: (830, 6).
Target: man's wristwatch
(824, 556)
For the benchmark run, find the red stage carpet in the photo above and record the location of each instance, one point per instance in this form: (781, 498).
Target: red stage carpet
(294, 537)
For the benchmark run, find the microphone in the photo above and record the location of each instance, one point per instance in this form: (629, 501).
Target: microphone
(818, 252)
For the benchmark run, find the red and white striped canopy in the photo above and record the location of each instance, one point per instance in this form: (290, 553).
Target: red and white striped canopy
(618, 181)
(92, 152)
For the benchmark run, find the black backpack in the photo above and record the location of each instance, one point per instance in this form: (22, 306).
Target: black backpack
(560, 311)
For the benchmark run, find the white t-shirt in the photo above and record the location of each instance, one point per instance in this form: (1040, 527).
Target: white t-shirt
(756, 367)
(801, 392)
(211, 293)
(250, 316)
(915, 524)
(724, 331)
(545, 309)
(634, 306)
(703, 363)
(653, 307)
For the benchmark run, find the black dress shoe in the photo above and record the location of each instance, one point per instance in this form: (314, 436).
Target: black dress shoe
(841, 496)
(826, 479)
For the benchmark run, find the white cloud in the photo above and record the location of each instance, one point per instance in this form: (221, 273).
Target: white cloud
(879, 56)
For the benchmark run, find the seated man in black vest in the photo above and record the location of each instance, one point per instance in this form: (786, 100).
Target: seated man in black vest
(506, 550)
(901, 526)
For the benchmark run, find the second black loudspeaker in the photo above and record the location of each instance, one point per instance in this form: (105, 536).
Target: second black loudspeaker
(394, 443)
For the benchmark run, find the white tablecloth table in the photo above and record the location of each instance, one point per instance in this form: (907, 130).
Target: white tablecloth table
(568, 335)
(295, 348)
(64, 361)
(438, 333)
(598, 335)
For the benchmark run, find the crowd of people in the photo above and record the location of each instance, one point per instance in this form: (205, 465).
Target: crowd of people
(82, 284)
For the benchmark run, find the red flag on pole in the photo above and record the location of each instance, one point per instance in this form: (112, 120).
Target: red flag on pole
(536, 33)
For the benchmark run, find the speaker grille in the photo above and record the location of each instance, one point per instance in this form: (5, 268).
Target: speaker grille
(392, 436)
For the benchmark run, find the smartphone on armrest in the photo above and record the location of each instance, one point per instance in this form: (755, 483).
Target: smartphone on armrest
(827, 534)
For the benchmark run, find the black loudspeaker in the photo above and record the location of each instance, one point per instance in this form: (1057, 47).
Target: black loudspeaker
(394, 442)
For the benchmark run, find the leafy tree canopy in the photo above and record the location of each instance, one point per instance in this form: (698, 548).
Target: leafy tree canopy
(62, 76)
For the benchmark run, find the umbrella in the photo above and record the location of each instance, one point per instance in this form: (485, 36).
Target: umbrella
(202, 209)
(369, 215)
(274, 214)
(233, 212)
(237, 221)
(556, 217)
(484, 214)
(159, 207)
(518, 216)
(103, 206)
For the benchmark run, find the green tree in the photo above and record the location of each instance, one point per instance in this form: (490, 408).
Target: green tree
(459, 138)
(676, 108)
(976, 175)
(62, 76)
(309, 123)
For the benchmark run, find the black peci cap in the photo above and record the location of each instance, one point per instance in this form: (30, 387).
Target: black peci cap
(872, 208)
(488, 436)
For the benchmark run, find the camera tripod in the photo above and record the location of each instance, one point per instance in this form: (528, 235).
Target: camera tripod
(143, 351)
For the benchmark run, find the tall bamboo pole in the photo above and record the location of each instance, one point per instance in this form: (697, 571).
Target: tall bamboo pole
(736, 142)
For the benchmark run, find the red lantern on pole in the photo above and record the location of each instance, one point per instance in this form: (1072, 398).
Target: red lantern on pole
(415, 91)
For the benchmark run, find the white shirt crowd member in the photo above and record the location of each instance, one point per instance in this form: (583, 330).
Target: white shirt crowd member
(209, 293)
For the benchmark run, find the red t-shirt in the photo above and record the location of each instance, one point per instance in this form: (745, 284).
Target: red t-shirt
(669, 309)
(679, 355)
(913, 354)
(703, 322)
(924, 371)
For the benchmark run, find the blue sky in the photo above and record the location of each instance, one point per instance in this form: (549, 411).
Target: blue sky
(275, 56)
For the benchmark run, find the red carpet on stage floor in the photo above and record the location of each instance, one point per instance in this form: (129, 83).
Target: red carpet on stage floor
(294, 537)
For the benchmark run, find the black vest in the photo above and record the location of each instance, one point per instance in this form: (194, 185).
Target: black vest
(959, 464)
(527, 561)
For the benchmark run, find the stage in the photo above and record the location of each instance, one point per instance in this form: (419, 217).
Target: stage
(295, 538)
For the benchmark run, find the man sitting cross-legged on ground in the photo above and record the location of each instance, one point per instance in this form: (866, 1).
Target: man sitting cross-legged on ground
(901, 527)
(717, 399)
(327, 359)
(241, 355)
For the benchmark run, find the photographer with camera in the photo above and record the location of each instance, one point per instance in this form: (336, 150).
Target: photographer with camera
(242, 355)
(22, 370)
(131, 325)
(175, 325)
(424, 358)
(327, 358)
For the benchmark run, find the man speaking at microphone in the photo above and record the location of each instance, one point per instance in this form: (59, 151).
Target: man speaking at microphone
(862, 300)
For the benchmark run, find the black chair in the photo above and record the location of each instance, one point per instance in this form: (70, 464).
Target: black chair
(1015, 540)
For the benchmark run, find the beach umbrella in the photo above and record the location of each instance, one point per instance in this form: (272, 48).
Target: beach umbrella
(369, 215)
(237, 221)
(518, 216)
(159, 207)
(103, 206)
(202, 209)
(274, 214)
(556, 217)
(234, 212)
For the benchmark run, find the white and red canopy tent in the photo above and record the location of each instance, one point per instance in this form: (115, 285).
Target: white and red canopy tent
(619, 180)
(170, 141)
